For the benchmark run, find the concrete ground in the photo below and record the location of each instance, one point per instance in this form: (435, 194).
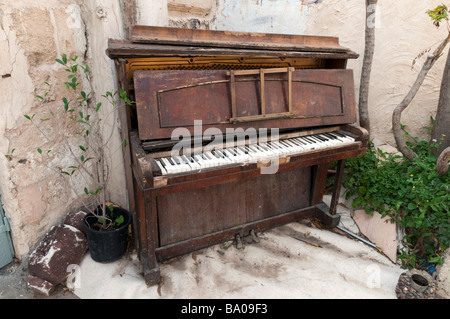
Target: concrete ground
(297, 261)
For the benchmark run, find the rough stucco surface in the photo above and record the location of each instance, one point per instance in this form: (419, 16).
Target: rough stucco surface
(403, 31)
(33, 34)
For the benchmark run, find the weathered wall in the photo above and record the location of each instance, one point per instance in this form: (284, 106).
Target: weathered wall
(403, 31)
(33, 34)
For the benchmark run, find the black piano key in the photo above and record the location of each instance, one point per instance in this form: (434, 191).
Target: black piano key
(310, 140)
(331, 136)
(176, 160)
(320, 138)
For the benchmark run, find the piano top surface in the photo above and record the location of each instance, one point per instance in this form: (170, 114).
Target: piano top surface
(167, 41)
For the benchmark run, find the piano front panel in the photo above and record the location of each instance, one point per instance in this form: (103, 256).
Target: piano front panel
(166, 100)
(202, 211)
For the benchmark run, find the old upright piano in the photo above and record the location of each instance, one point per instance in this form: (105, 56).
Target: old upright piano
(231, 133)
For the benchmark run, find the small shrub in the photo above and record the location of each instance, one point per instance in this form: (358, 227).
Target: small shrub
(413, 194)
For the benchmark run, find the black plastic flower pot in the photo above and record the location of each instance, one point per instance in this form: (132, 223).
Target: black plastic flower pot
(107, 245)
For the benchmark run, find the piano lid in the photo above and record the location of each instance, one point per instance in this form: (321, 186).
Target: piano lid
(220, 99)
(167, 41)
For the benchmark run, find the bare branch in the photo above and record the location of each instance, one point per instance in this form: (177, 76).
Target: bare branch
(397, 114)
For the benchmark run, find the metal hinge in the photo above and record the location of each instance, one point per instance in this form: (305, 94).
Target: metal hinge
(5, 227)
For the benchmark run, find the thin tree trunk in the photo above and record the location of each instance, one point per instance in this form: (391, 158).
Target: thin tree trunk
(364, 119)
(397, 114)
(441, 127)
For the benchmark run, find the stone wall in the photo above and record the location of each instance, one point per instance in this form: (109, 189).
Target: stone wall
(34, 34)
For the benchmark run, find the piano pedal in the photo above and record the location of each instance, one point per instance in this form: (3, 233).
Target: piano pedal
(254, 237)
(239, 244)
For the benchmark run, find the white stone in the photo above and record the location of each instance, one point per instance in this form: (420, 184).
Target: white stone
(378, 230)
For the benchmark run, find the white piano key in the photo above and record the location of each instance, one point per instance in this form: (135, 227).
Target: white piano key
(332, 141)
(191, 162)
(212, 159)
(241, 153)
(224, 156)
(295, 148)
(269, 151)
(183, 166)
(161, 166)
(170, 168)
(201, 162)
(233, 157)
(320, 141)
(252, 153)
(219, 158)
(281, 147)
(274, 149)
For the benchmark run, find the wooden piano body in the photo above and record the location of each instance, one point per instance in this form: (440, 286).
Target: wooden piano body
(229, 82)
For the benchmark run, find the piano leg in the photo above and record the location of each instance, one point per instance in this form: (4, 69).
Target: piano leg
(147, 235)
(322, 212)
(337, 186)
(327, 215)
(151, 269)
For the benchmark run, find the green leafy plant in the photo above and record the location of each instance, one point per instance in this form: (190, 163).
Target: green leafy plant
(78, 124)
(438, 14)
(412, 194)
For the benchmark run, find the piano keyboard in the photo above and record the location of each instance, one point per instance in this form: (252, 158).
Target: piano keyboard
(260, 152)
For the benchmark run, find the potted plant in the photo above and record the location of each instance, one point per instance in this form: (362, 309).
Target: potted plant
(78, 125)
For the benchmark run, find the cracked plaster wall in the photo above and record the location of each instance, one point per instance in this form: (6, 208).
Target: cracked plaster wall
(403, 30)
(33, 34)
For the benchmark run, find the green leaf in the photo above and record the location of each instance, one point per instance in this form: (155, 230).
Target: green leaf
(60, 62)
(362, 190)
(119, 220)
(82, 148)
(39, 151)
(411, 206)
(124, 143)
(86, 191)
(66, 103)
(85, 68)
(98, 107)
(438, 14)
